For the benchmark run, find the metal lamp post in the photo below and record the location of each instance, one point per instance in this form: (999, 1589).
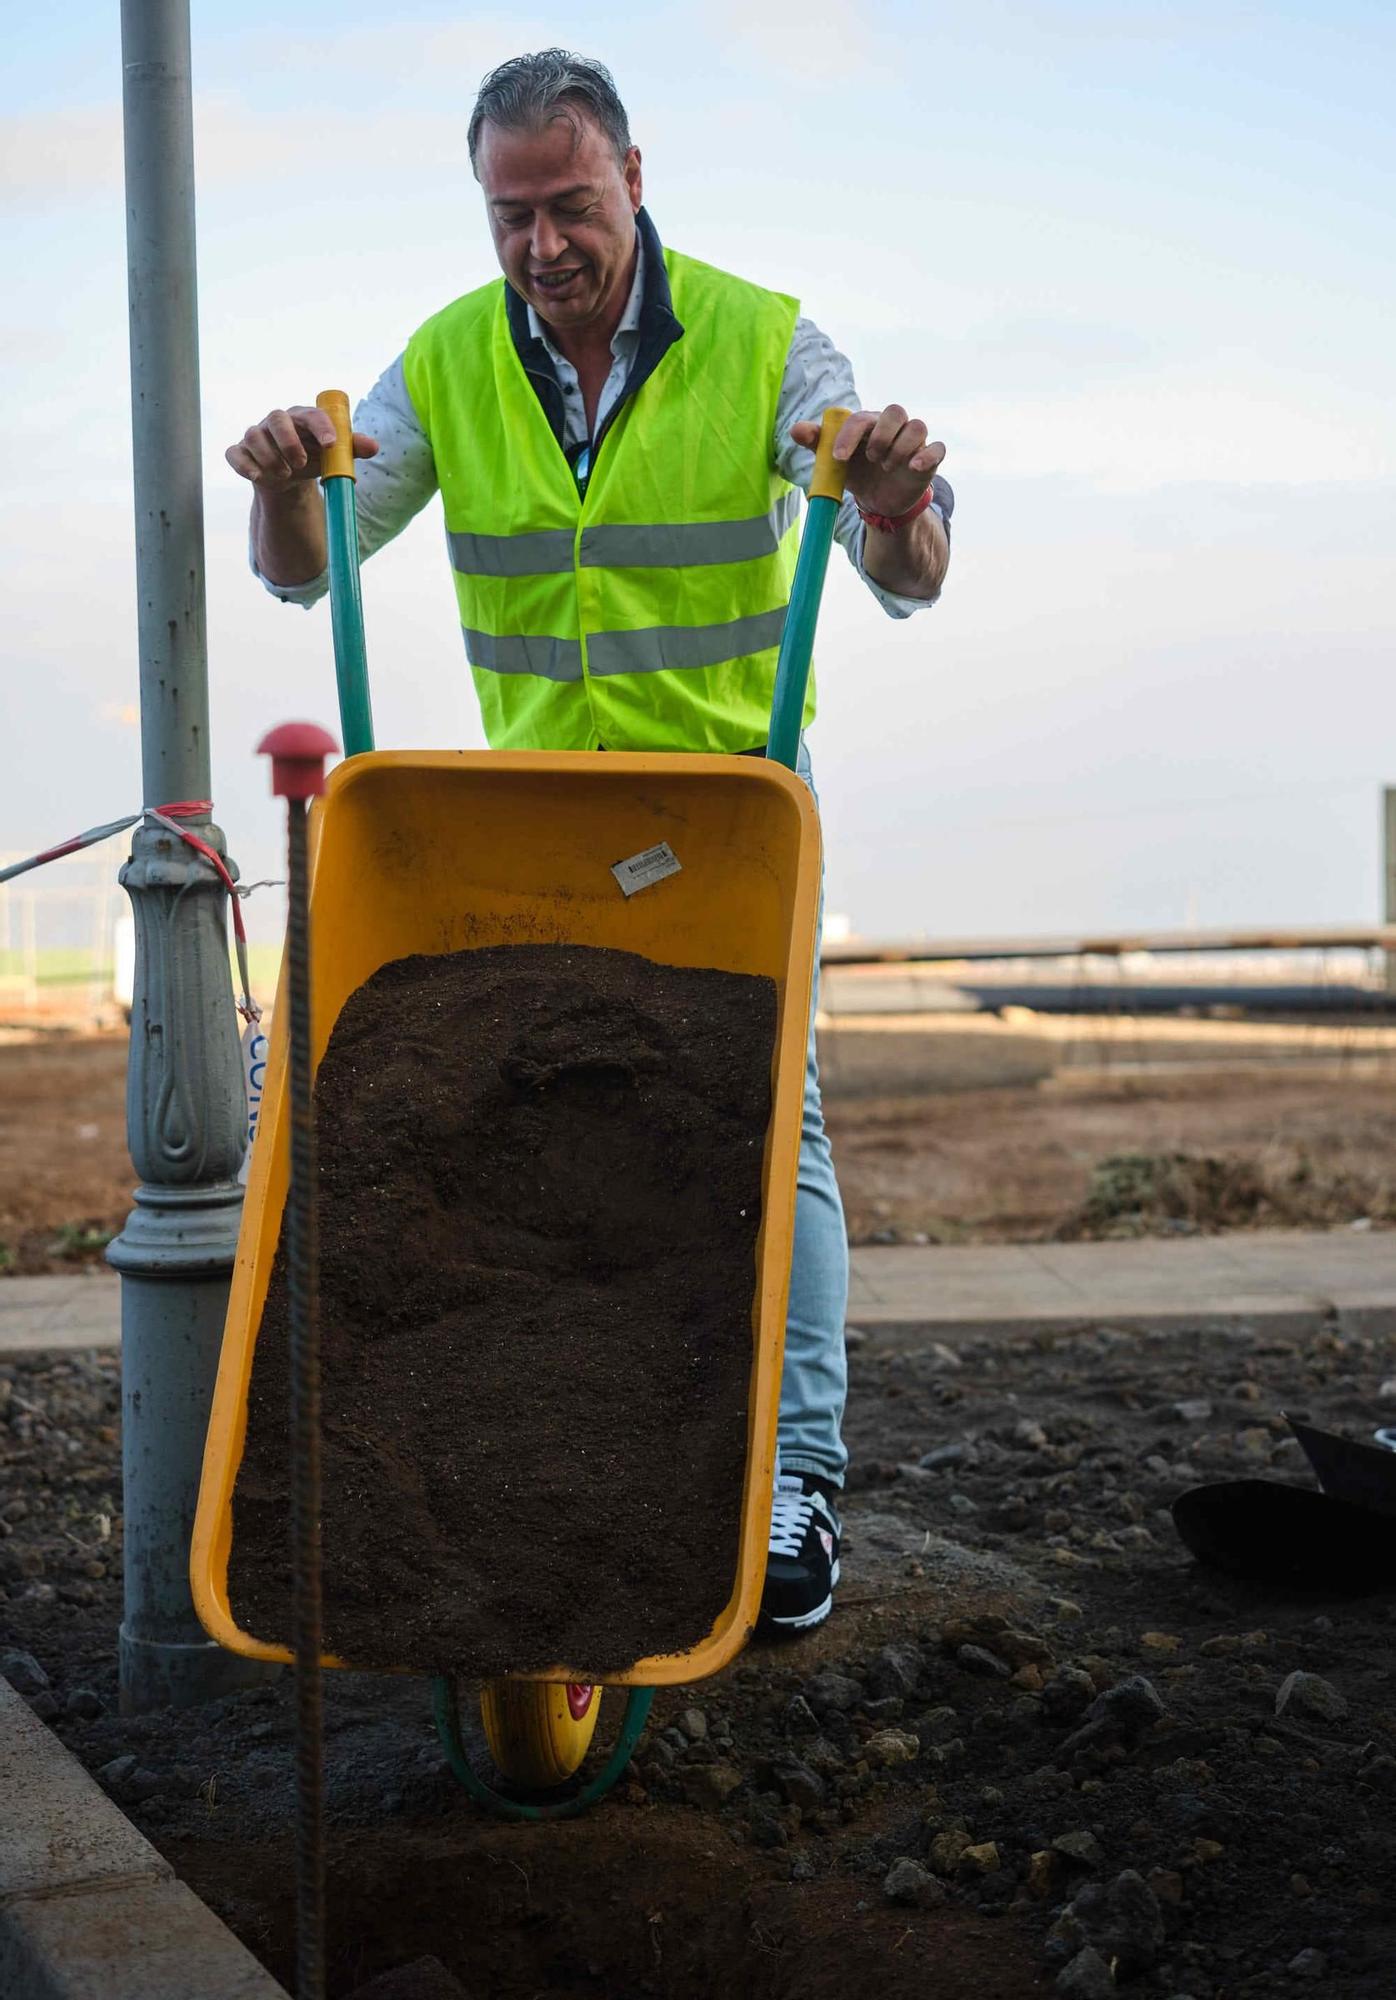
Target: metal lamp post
(185, 1107)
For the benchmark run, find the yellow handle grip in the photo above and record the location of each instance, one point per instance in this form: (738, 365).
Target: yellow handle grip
(827, 482)
(337, 459)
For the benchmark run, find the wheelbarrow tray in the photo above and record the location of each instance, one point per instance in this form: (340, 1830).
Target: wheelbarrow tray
(440, 851)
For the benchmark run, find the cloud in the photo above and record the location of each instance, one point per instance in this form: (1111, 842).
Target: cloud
(1130, 437)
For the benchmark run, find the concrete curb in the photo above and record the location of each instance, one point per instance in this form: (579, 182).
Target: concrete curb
(88, 1909)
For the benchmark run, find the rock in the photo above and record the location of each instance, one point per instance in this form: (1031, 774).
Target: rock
(115, 1774)
(1087, 1977)
(946, 1849)
(830, 1691)
(895, 1671)
(1160, 1642)
(854, 1338)
(1167, 1885)
(23, 1673)
(938, 1725)
(887, 1708)
(979, 1660)
(799, 1786)
(1046, 1872)
(960, 1503)
(711, 1785)
(980, 1859)
(1310, 1694)
(1207, 1850)
(1134, 1705)
(143, 1784)
(693, 1723)
(1030, 1435)
(906, 1881)
(1067, 1694)
(424, 1979)
(45, 1706)
(1081, 1847)
(1134, 1922)
(890, 1747)
(824, 1757)
(800, 1719)
(84, 1703)
(1308, 1964)
(938, 1358)
(802, 1868)
(1192, 1410)
(941, 1455)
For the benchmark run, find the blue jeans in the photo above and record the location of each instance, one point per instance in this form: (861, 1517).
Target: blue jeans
(814, 1384)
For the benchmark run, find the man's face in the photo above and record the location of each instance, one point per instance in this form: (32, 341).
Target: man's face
(562, 212)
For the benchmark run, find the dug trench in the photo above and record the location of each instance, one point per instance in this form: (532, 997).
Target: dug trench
(1034, 1742)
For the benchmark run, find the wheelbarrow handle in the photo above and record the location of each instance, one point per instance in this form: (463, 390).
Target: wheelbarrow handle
(797, 639)
(346, 604)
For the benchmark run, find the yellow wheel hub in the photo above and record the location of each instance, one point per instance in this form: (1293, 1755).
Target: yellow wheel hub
(538, 1732)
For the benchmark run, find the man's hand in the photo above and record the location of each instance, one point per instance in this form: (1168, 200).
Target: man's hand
(889, 461)
(281, 458)
(283, 451)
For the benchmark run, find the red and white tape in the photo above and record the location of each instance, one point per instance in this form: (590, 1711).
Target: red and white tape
(169, 817)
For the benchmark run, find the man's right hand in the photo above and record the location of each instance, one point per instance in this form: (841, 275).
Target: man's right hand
(283, 451)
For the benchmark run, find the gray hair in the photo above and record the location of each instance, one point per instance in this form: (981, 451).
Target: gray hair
(528, 92)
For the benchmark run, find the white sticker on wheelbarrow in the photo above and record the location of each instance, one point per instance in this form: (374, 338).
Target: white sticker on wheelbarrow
(642, 871)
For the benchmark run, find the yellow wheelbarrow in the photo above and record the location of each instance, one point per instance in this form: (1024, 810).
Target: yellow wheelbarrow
(433, 852)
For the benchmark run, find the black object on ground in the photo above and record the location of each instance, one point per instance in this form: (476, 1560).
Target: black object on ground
(1336, 1539)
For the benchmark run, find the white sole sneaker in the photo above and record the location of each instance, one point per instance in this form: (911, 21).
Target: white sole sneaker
(806, 1618)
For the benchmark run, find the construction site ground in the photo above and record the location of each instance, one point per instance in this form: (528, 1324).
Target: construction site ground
(945, 1131)
(1034, 1743)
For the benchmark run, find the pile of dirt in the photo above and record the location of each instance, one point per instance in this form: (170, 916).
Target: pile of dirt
(540, 1191)
(1151, 1194)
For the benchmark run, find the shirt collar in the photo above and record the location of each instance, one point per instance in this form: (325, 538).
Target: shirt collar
(629, 319)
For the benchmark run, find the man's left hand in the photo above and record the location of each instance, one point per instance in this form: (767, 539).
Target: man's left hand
(888, 458)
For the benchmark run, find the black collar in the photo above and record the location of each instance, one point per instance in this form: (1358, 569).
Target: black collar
(659, 329)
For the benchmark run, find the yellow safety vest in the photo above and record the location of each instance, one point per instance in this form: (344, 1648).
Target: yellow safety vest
(645, 612)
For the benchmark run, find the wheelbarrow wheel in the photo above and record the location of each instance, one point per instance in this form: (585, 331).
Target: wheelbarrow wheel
(538, 1732)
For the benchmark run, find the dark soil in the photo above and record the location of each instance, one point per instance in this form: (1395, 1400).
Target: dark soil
(1032, 1731)
(540, 1190)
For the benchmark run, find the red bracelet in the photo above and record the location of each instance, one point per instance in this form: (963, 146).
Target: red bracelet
(889, 523)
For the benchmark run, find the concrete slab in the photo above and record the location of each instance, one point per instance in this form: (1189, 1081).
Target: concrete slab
(88, 1909)
(1291, 1280)
(53, 1314)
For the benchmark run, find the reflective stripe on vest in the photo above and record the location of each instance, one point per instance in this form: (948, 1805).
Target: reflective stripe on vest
(655, 545)
(646, 612)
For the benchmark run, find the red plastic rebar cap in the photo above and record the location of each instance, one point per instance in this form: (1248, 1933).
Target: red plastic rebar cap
(298, 751)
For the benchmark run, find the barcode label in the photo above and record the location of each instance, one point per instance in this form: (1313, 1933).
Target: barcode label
(642, 871)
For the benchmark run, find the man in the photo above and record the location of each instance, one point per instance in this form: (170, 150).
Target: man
(670, 408)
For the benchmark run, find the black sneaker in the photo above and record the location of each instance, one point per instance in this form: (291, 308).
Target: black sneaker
(803, 1565)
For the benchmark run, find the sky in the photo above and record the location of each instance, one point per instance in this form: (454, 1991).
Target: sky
(1132, 263)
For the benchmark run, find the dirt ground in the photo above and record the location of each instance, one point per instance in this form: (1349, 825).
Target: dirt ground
(1034, 1743)
(1296, 1144)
